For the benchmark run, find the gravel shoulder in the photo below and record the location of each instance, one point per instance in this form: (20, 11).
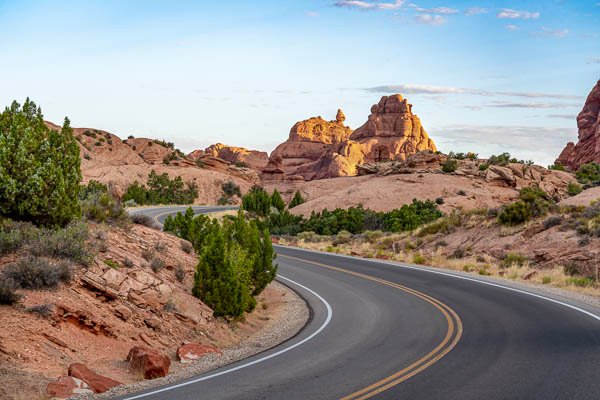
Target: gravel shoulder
(285, 324)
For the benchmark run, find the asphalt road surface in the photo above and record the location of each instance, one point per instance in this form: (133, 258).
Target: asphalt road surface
(387, 331)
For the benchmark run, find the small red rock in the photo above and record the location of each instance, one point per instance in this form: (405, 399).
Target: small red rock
(67, 386)
(149, 362)
(193, 351)
(97, 382)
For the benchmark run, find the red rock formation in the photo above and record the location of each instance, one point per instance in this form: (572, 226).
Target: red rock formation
(148, 362)
(97, 382)
(274, 169)
(587, 148)
(67, 386)
(318, 149)
(310, 139)
(392, 131)
(193, 351)
(238, 155)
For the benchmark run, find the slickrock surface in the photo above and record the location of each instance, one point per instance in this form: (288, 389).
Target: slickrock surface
(587, 148)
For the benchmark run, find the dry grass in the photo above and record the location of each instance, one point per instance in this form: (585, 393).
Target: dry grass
(403, 248)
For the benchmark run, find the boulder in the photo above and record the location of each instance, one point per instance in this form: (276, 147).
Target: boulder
(122, 312)
(67, 386)
(193, 351)
(97, 382)
(588, 123)
(148, 362)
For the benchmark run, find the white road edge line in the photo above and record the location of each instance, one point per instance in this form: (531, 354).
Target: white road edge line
(581, 310)
(278, 353)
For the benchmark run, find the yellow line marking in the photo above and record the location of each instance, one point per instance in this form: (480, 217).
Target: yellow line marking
(452, 337)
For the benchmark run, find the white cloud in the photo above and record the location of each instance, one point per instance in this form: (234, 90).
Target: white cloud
(367, 5)
(508, 13)
(547, 32)
(476, 11)
(354, 4)
(595, 60)
(571, 117)
(429, 19)
(430, 89)
(506, 104)
(511, 27)
(436, 10)
(312, 14)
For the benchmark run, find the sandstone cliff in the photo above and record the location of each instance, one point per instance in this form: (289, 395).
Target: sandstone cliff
(240, 156)
(318, 149)
(587, 148)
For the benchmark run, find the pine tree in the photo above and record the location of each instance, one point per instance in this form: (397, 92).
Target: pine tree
(39, 168)
(277, 201)
(296, 200)
(264, 270)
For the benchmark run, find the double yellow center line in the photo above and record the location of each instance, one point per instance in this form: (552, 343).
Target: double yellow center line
(452, 337)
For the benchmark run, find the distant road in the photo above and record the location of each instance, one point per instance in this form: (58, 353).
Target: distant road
(386, 331)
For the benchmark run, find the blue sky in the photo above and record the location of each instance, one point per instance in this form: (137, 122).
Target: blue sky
(484, 76)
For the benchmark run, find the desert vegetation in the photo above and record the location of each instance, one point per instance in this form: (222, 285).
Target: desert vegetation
(236, 259)
(160, 189)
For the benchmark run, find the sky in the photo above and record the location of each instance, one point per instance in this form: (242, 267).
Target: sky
(483, 76)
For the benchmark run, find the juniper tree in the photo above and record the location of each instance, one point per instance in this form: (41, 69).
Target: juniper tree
(39, 168)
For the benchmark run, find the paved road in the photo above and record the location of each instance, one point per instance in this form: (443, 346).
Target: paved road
(386, 331)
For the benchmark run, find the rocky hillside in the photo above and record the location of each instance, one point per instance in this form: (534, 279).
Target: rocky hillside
(388, 185)
(135, 292)
(239, 156)
(587, 148)
(108, 159)
(318, 149)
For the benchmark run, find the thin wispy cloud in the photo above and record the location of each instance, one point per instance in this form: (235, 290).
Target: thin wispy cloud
(595, 60)
(429, 19)
(571, 117)
(511, 27)
(430, 89)
(551, 33)
(509, 13)
(367, 5)
(435, 10)
(506, 104)
(475, 11)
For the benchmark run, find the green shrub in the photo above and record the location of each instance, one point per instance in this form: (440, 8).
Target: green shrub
(581, 281)
(556, 167)
(449, 165)
(156, 264)
(513, 259)
(553, 221)
(589, 175)
(230, 189)
(574, 189)
(179, 273)
(257, 201)
(419, 259)
(8, 291)
(143, 219)
(373, 236)
(38, 273)
(277, 201)
(99, 205)
(296, 200)
(342, 237)
(160, 189)
(439, 201)
(69, 243)
(483, 166)
(546, 280)
(39, 168)
(112, 263)
(43, 310)
(533, 202)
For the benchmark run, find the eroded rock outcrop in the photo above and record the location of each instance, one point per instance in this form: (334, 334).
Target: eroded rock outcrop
(587, 148)
(318, 149)
(238, 155)
(148, 362)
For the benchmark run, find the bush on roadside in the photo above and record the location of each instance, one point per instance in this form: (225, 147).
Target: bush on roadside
(8, 291)
(160, 189)
(143, 219)
(38, 273)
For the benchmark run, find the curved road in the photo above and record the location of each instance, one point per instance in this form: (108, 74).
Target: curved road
(389, 331)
